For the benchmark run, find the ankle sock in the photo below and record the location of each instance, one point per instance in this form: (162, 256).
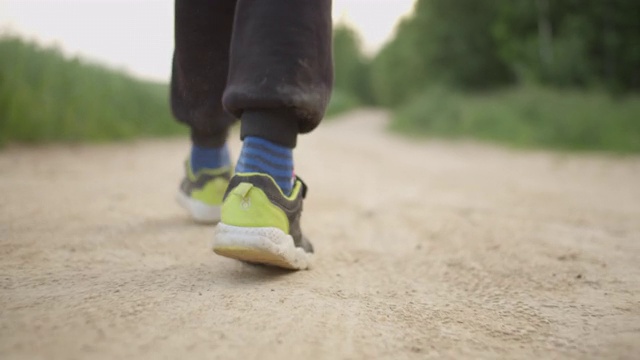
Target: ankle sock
(263, 156)
(209, 158)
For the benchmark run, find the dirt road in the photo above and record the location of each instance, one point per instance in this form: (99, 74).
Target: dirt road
(424, 249)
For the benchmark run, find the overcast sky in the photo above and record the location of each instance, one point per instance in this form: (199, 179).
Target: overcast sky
(137, 35)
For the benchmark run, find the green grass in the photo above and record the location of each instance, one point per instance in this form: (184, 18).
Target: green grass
(46, 97)
(527, 117)
(341, 102)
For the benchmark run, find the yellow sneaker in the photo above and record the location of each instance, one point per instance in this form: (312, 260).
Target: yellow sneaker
(201, 194)
(260, 224)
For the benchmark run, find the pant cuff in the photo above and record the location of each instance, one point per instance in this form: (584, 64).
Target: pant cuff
(279, 126)
(209, 140)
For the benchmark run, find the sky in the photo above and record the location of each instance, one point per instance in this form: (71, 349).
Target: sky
(137, 35)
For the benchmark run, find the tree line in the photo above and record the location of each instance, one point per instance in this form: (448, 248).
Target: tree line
(479, 45)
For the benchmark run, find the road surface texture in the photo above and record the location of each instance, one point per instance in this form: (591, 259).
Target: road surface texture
(425, 249)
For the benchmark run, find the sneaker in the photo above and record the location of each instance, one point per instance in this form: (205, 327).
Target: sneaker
(201, 194)
(261, 225)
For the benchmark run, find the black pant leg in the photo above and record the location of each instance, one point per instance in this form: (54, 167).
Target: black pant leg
(281, 71)
(200, 66)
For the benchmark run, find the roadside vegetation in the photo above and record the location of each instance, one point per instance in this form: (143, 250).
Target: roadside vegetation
(45, 97)
(529, 73)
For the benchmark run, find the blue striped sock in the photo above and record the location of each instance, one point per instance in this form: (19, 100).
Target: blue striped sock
(263, 156)
(209, 158)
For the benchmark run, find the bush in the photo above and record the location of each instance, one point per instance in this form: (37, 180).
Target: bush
(47, 97)
(527, 117)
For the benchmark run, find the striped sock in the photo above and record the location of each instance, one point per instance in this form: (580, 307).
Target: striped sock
(209, 158)
(263, 156)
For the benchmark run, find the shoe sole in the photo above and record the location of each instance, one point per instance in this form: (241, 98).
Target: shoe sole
(199, 211)
(268, 246)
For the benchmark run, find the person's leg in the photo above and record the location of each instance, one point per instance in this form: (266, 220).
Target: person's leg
(280, 79)
(200, 66)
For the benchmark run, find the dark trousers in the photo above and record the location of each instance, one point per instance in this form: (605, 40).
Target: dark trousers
(266, 62)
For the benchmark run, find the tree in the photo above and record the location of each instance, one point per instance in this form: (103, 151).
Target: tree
(446, 42)
(351, 67)
(572, 42)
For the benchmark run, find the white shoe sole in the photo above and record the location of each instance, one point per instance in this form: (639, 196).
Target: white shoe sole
(199, 211)
(269, 246)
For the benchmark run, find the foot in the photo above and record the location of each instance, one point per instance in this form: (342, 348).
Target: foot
(201, 193)
(261, 225)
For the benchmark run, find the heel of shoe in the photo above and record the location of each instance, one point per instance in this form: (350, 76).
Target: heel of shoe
(263, 245)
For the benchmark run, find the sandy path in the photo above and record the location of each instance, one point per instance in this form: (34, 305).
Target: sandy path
(431, 249)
